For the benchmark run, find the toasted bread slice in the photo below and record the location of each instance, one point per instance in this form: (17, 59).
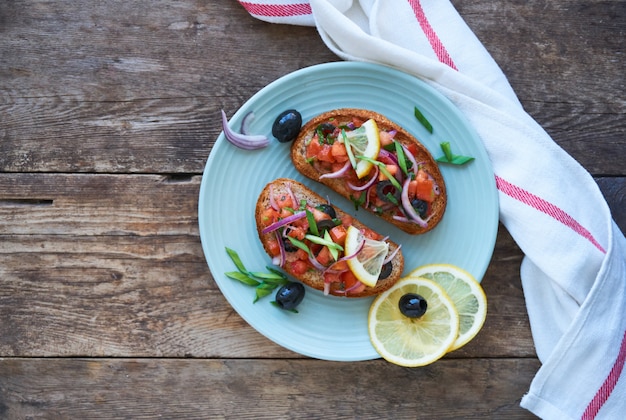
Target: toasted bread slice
(396, 214)
(282, 192)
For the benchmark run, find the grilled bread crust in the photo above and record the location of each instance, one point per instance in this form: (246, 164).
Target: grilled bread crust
(344, 116)
(314, 278)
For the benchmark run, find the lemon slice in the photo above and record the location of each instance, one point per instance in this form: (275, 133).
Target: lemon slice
(363, 141)
(413, 342)
(367, 264)
(466, 293)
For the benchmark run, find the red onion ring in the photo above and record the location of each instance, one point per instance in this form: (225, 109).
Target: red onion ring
(245, 123)
(243, 141)
(408, 208)
(339, 173)
(284, 222)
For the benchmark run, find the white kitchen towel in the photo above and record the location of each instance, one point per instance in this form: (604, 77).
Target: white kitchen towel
(574, 268)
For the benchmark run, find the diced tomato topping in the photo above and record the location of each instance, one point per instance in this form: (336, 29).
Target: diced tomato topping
(299, 267)
(331, 277)
(368, 233)
(325, 154)
(424, 191)
(297, 233)
(301, 254)
(412, 147)
(319, 215)
(346, 221)
(324, 257)
(269, 216)
(357, 122)
(385, 138)
(338, 235)
(313, 148)
(391, 168)
(284, 200)
(338, 150)
(349, 280)
(273, 248)
(341, 265)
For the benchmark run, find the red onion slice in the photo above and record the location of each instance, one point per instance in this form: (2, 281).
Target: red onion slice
(408, 208)
(339, 173)
(245, 123)
(367, 184)
(284, 222)
(243, 141)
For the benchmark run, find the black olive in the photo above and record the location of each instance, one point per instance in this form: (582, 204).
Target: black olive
(328, 209)
(385, 271)
(290, 295)
(325, 128)
(287, 126)
(288, 245)
(412, 305)
(386, 188)
(326, 224)
(420, 206)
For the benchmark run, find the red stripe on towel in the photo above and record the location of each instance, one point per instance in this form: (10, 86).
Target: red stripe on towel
(543, 206)
(431, 35)
(607, 387)
(277, 10)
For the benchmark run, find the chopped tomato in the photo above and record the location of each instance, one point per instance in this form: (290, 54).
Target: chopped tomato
(424, 190)
(299, 267)
(385, 138)
(297, 233)
(269, 216)
(350, 283)
(357, 122)
(393, 170)
(368, 233)
(313, 148)
(324, 257)
(284, 200)
(319, 215)
(338, 150)
(338, 235)
(325, 154)
(273, 248)
(340, 265)
(332, 277)
(301, 254)
(346, 220)
(412, 147)
(338, 165)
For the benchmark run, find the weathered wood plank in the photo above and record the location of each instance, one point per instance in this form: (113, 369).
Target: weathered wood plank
(136, 86)
(255, 389)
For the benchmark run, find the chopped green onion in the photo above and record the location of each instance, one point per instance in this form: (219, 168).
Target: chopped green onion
(235, 257)
(449, 157)
(312, 223)
(422, 119)
(358, 202)
(383, 169)
(334, 252)
(401, 157)
(245, 279)
(299, 244)
(323, 241)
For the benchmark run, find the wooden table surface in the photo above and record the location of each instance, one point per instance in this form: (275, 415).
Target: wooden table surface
(108, 112)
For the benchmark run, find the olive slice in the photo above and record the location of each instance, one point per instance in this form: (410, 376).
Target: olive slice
(385, 189)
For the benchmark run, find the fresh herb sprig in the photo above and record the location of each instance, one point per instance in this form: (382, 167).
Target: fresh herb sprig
(449, 157)
(263, 282)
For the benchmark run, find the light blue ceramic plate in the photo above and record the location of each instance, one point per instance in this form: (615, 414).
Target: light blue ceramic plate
(335, 328)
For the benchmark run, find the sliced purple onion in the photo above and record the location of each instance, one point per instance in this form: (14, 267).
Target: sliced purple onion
(353, 287)
(245, 123)
(408, 208)
(294, 200)
(283, 222)
(243, 141)
(409, 156)
(339, 173)
(368, 183)
(316, 263)
(272, 200)
(392, 255)
(283, 254)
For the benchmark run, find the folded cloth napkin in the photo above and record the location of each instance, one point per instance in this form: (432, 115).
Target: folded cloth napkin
(574, 268)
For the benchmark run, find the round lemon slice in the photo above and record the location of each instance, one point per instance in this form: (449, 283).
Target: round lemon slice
(466, 293)
(413, 342)
(368, 262)
(363, 141)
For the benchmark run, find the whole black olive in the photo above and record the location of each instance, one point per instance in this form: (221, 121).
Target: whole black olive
(328, 209)
(420, 206)
(385, 270)
(290, 295)
(412, 305)
(385, 188)
(326, 224)
(288, 245)
(287, 126)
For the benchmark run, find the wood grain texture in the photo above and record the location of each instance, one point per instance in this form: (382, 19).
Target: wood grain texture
(256, 389)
